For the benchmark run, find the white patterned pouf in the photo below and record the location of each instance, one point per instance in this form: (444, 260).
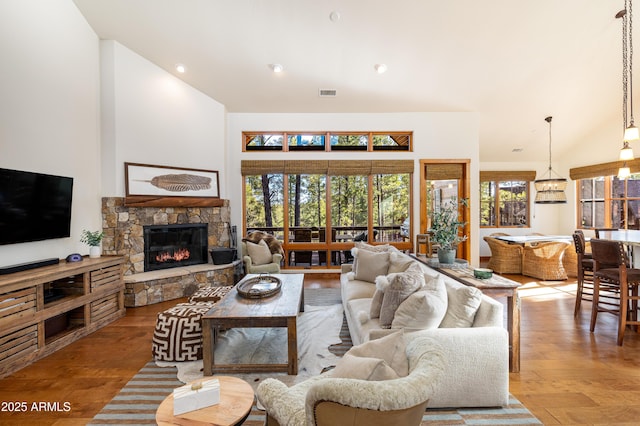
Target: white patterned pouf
(178, 332)
(210, 294)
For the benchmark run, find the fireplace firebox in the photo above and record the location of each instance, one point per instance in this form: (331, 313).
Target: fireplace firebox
(171, 246)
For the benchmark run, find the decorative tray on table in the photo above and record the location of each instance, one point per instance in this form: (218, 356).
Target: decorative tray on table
(259, 287)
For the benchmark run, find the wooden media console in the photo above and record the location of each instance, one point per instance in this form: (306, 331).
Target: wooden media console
(46, 308)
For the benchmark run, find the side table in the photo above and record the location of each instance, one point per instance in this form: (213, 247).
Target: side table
(236, 399)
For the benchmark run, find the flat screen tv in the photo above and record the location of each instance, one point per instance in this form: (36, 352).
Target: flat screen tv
(34, 206)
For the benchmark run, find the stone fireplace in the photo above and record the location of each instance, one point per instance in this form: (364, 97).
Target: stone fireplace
(124, 229)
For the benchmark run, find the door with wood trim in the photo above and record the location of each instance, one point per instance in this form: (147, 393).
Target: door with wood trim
(439, 181)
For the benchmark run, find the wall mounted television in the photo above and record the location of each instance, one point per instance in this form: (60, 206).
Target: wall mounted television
(34, 206)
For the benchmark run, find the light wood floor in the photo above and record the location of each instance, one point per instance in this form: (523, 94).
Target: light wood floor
(569, 376)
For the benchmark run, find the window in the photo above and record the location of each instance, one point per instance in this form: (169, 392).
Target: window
(591, 203)
(609, 202)
(337, 141)
(319, 208)
(504, 199)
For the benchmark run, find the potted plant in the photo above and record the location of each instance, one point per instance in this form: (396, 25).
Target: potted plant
(446, 229)
(93, 240)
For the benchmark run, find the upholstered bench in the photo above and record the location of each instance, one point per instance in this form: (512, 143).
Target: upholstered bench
(178, 332)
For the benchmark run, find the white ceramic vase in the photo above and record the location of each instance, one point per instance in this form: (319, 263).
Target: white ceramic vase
(95, 251)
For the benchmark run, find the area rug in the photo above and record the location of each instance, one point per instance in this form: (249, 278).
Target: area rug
(137, 402)
(318, 327)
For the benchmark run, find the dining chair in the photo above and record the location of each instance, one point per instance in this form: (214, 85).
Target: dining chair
(584, 271)
(544, 260)
(301, 256)
(505, 258)
(598, 230)
(611, 266)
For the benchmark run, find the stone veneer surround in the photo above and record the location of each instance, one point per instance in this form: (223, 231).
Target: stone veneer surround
(123, 236)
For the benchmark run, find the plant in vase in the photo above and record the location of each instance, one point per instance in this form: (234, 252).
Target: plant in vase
(93, 240)
(446, 229)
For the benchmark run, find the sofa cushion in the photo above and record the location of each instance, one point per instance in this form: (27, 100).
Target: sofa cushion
(463, 303)
(423, 309)
(401, 286)
(357, 290)
(391, 349)
(363, 368)
(371, 264)
(259, 253)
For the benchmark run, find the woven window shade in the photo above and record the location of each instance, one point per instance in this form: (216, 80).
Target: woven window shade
(261, 167)
(348, 167)
(306, 167)
(443, 171)
(505, 175)
(389, 167)
(604, 169)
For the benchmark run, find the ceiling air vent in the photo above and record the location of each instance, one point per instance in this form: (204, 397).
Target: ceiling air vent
(327, 93)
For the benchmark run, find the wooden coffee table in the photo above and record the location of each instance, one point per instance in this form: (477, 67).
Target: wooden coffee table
(235, 311)
(236, 399)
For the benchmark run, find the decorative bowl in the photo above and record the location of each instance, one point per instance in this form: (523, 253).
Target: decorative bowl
(482, 273)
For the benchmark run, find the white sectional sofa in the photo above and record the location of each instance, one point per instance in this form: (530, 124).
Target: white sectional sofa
(476, 350)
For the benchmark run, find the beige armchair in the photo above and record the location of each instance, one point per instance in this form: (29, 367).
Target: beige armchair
(326, 401)
(264, 256)
(505, 258)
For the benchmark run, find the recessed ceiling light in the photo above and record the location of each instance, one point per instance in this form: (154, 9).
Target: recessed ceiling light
(181, 68)
(334, 16)
(380, 68)
(517, 150)
(277, 67)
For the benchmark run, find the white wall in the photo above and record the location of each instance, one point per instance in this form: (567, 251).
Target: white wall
(152, 117)
(436, 136)
(49, 110)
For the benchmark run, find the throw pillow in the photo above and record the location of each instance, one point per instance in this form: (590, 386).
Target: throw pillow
(370, 265)
(423, 309)
(398, 262)
(401, 286)
(363, 368)
(370, 247)
(376, 304)
(463, 304)
(390, 348)
(259, 253)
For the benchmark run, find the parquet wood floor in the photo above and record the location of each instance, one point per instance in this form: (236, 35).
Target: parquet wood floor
(569, 376)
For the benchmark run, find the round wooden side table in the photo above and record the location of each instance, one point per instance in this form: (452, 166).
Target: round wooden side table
(236, 399)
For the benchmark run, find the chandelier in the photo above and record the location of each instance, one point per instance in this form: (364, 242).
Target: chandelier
(550, 190)
(631, 132)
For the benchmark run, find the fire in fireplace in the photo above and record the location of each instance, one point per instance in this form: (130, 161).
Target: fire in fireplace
(171, 246)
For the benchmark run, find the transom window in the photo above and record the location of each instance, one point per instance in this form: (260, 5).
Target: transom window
(338, 141)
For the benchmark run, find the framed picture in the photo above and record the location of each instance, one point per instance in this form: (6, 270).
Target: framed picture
(165, 181)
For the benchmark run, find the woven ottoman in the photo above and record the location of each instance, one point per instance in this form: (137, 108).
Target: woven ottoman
(210, 294)
(178, 332)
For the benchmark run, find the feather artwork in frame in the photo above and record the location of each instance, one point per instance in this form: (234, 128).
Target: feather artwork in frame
(150, 180)
(182, 182)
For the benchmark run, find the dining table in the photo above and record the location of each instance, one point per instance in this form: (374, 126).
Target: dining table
(529, 239)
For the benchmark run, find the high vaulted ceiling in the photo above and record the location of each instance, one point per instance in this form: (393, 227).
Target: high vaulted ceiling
(513, 62)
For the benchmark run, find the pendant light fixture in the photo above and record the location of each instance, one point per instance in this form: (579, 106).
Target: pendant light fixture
(550, 190)
(631, 132)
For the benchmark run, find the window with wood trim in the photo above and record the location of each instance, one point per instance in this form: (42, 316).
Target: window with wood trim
(327, 141)
(609, 202)
(504, 199)
(318, 208)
